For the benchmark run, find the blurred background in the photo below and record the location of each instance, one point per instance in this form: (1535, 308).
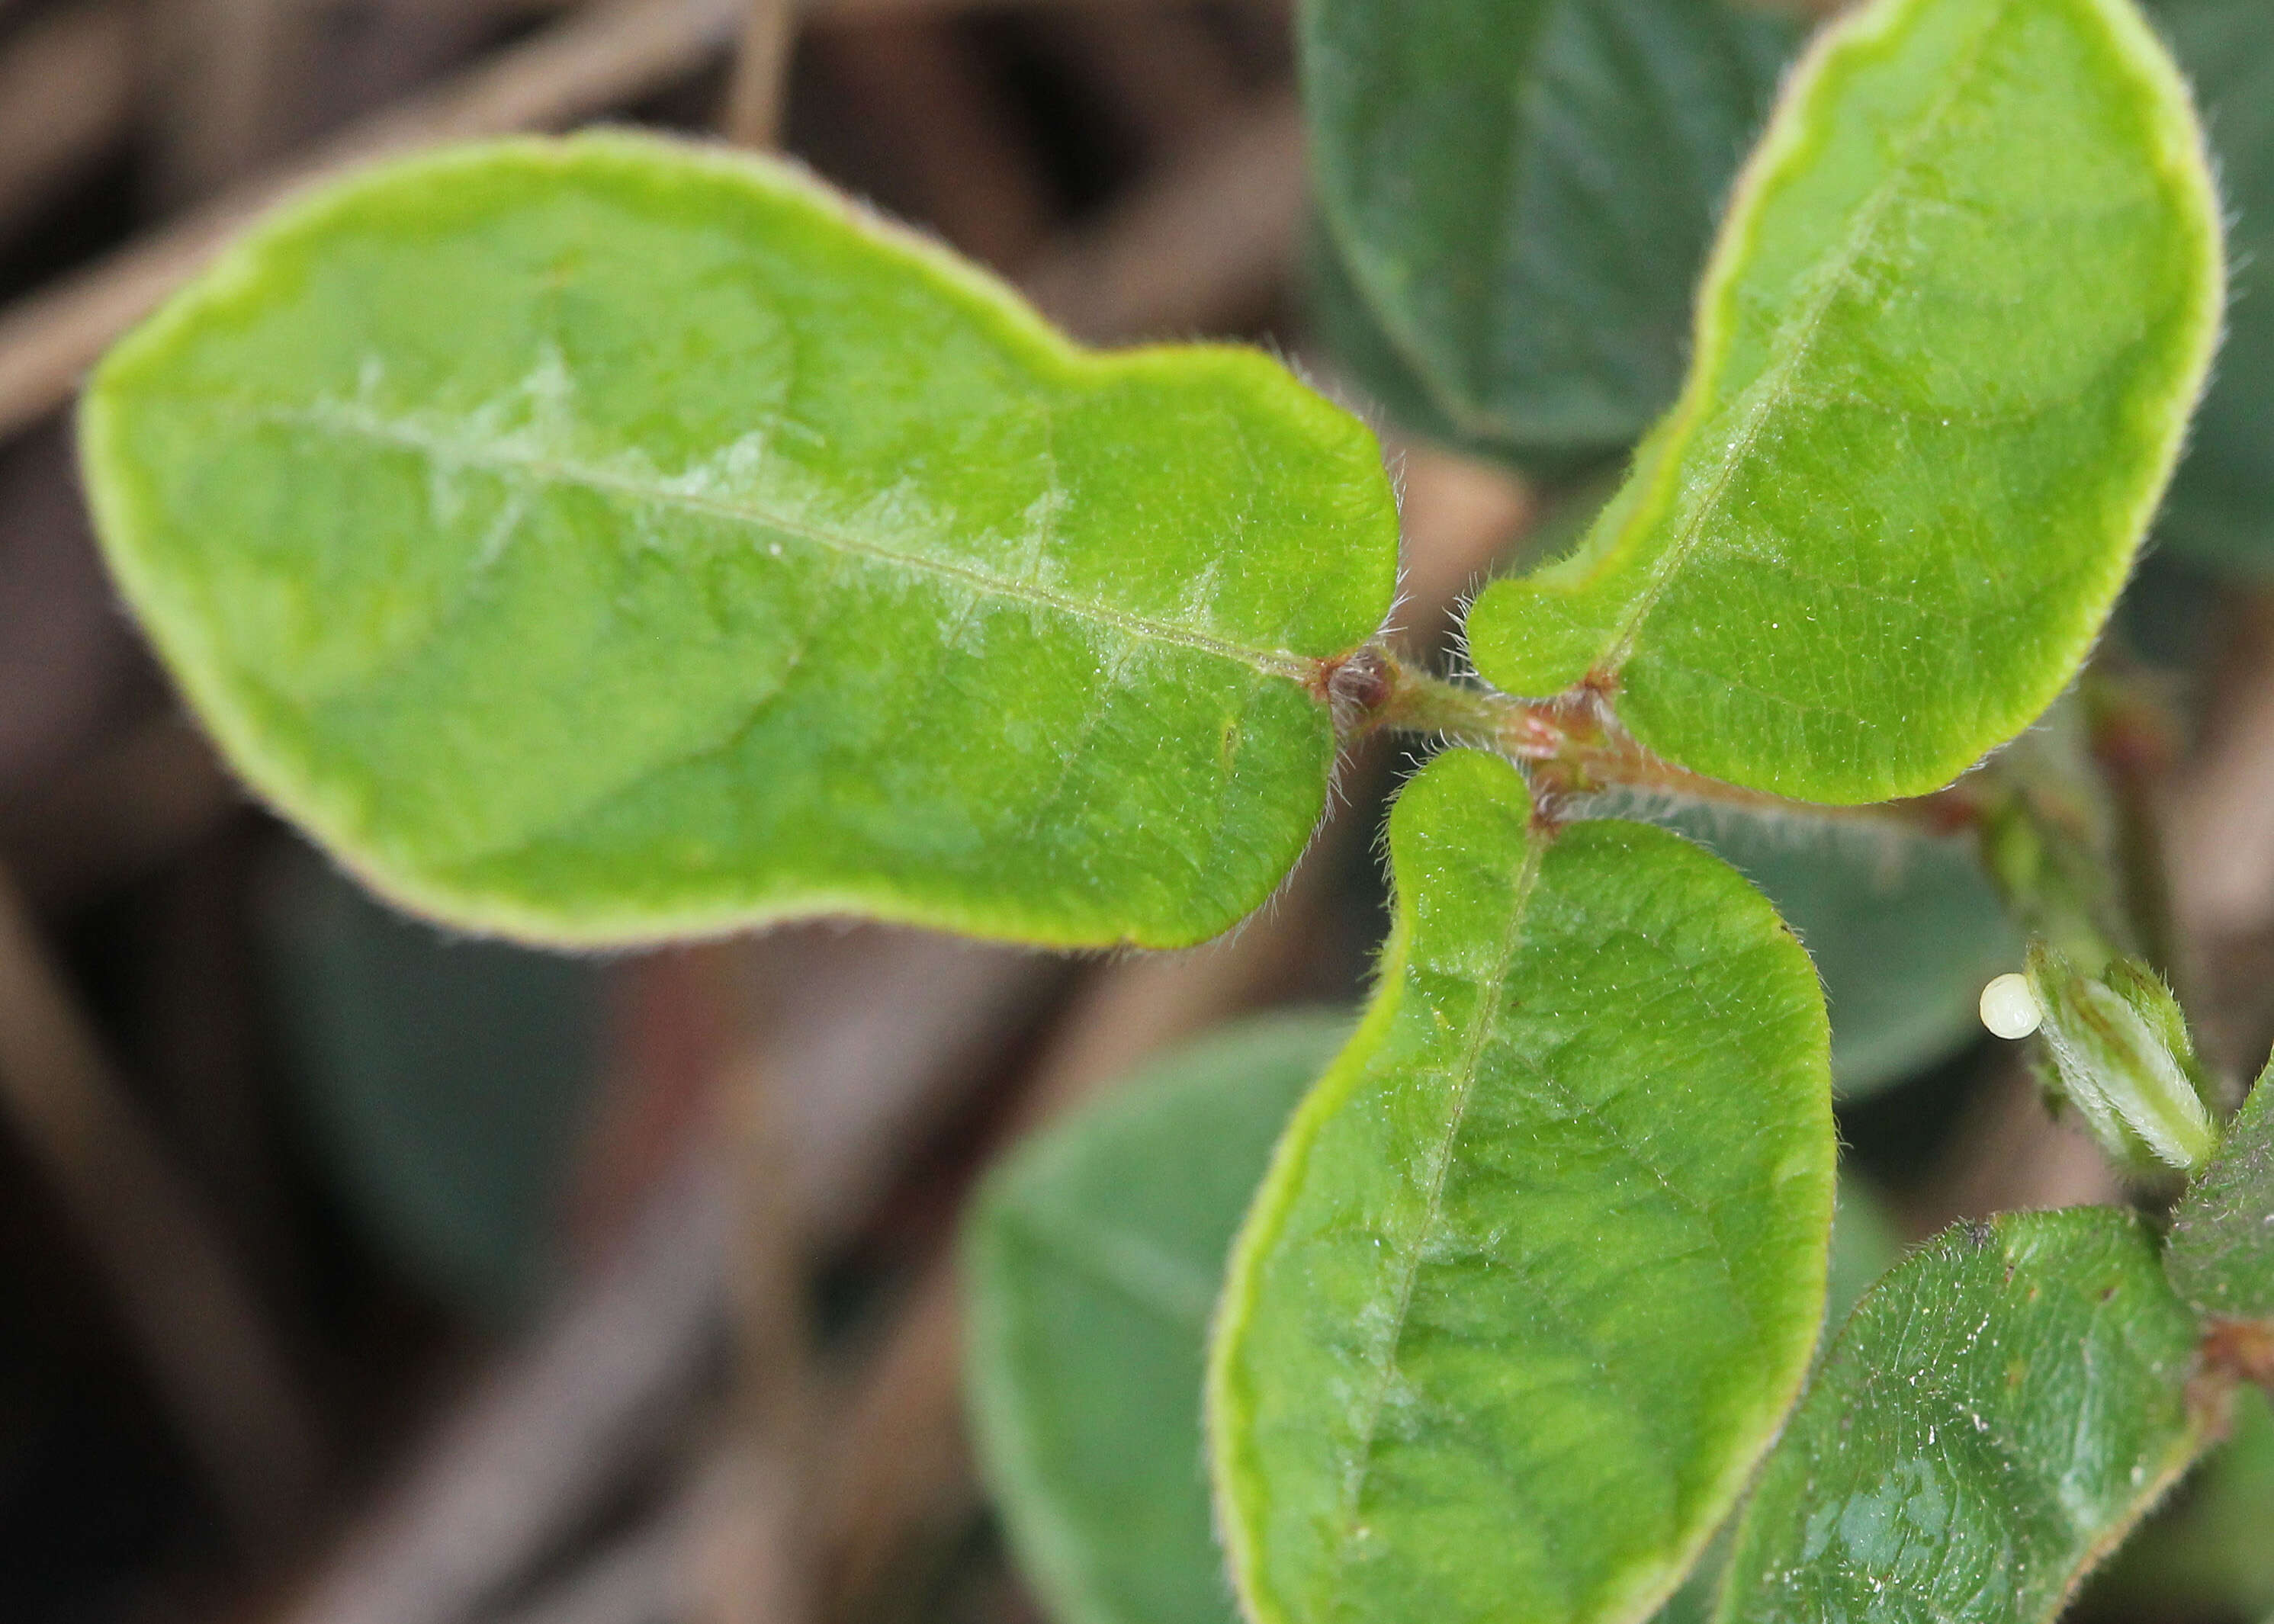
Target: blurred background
(352, 1274)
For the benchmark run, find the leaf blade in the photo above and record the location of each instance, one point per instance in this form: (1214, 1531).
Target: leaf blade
(1395, 1433)
(1997, 1414)
(603, 539)
(1872, 479)
(2222, 1248)
(2043, 1363)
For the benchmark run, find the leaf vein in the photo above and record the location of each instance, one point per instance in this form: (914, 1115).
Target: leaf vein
(345, 420)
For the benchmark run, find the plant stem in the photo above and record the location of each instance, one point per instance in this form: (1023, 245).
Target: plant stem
(1571, 746)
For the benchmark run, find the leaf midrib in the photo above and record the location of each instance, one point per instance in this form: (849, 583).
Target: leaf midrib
(348, 422)
(1490, 1001)
(1793, 344)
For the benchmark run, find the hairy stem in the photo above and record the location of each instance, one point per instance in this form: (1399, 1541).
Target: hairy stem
(1572, 746)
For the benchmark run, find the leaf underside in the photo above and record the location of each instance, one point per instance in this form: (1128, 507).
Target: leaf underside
(1523, 194)
(1996, 1415)
(1946, 347)
(1550, 1237)
(607, 539)
(1091, 1262)
(2222, 1249)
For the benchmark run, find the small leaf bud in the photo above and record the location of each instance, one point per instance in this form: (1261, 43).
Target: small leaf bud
(2123, 1058)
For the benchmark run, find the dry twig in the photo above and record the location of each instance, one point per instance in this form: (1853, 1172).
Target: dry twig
(754, 90)
(1201, 248)
(587, 64)
(67, 97)
(938, 130)
(143, 801)
(554, 1429)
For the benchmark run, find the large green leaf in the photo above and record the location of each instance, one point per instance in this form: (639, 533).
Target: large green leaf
(1523, 191)
(2222, 1249)
(1946, 347)
(2221, 507)
(1539, 1265)
(1904, 932)
(1092, 1260)
(1995, 1416)
(608, 538)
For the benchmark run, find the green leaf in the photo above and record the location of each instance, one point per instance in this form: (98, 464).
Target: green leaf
(1350, 332)
(1540, 1263)
(2221, 1247)
(1523, 191)
(605, 539)
(1903, 931)
(1995, 1418)
(1864, 1246)
(2221, 507)
(448, 1082)
(1091, 1262)
(1946, 346)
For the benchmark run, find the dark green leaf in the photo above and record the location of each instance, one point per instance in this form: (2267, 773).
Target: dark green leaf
(1540, 1264)
(1523, 190)
(447, 1081)
(2001, 1409)
(606, 540)
(2221, 508)
(1864, 1246)
(1091, 1262)
(1346, 325)
(2221, 1247)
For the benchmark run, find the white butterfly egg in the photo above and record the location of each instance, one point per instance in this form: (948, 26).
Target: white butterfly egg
(2009, 1008)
